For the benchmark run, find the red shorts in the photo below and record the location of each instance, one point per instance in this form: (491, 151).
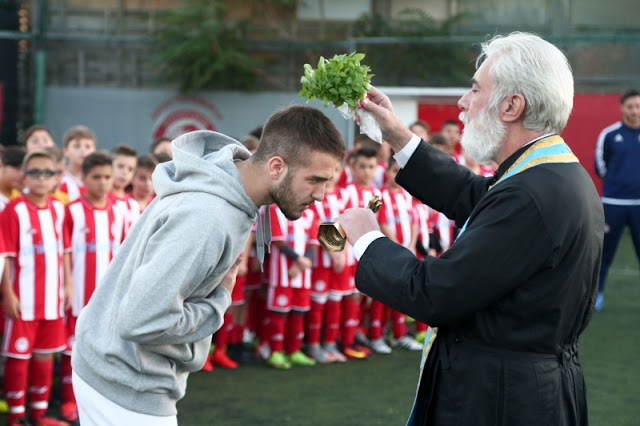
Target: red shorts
(256, 278)
(320, 281)
(237, 295)
(70, 332)
(22, 338)
(343, 283)
(285, 299)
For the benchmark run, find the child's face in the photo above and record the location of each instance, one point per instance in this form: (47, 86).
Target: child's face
(38, 176)
(98, 181)
(452, 133)
(10, 177)
(123, 168)
(164, 147)
(142, 183)
(391, 172)
(78, 149)
(39, 139)
(363, 170)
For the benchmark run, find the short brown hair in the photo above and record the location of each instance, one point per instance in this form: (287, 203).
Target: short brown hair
(124, 150)
(96, 159)
(147, 162)
(294, 132)
(157, 142)
(31, 130)
(422, 124)
(250, 142)
(78, 132)
(363, 153)
(438, 139)
(13, 156)
(38, 153)
(56, 153)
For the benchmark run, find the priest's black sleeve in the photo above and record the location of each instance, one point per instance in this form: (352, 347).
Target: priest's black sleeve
(506, 242)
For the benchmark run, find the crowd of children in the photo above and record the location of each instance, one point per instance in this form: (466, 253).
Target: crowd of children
(66, 211)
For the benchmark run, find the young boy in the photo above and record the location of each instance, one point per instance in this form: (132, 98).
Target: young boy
(289, 286)
(79, 141)
(93, 230)
(37, 137)
(125, 160)
(56, 192)
(33, 303)
(142, 185)
(11, 174)
(330, 281)
(396, 223)
(359, 193)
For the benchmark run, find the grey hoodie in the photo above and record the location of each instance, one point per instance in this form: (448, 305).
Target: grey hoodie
(149, 322)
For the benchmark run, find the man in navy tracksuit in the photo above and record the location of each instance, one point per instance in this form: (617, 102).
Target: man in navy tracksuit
(618, 163)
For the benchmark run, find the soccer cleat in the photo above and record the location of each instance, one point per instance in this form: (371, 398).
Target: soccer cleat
(48, 421)
(4, 407)
(208, 364)
(219, 357)
(20, 421)
(69, 413)
(367, 351)
(361, 337)
(279, 361)
(406, 342)
(420, 336)
(380, 347)
(354, 352)
(331, 348)
(263, 351)
(298, 358)
(320, 355)
(599, 302)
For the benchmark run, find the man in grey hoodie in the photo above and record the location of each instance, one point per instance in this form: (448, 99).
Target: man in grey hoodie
(149, 322)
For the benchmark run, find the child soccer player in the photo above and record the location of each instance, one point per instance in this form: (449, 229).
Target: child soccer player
(359, 193)
(92, 231)
(396, 223)
(79, 141)
(56, 192)
(289, 286)
(37, 137)
(11, 174)
(142, 185)
(33, 302)
(329, 282)
(125, 160)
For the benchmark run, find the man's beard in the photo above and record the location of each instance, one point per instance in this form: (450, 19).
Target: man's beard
(482, 137)
(284, 197)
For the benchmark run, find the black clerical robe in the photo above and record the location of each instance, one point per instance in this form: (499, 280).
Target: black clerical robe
(510, 297)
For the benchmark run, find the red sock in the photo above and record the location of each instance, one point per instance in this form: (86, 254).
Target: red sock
(15, 386)
(350, 315)
(420, 326)
(331, 321)
(364, 308)
(222, 335)
(294, 332)
(277, 325)
(252, 307)
(314, 323)
(65, 378)
(398, 319)
(236, 334)
(40, 377)
(375, 319)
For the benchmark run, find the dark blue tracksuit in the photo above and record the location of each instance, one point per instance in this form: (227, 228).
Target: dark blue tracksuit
(618, 163)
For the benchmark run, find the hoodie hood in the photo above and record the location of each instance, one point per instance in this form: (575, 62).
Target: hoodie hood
(203, 161)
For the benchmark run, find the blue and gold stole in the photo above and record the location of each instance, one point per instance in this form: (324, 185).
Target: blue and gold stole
(549, 150)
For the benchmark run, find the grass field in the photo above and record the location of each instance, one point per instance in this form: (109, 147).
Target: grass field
(379, 391)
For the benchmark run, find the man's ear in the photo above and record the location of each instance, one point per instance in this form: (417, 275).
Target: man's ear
(277, 168)
(512, 108)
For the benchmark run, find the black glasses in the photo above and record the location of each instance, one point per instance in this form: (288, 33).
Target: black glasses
(36, 173)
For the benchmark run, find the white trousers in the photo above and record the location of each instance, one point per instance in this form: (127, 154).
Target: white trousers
(96, 410)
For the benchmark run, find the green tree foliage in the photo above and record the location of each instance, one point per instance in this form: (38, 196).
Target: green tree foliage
(199, 48)
(422, 64)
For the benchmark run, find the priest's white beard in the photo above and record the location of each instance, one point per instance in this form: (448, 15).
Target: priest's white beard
(482, 136)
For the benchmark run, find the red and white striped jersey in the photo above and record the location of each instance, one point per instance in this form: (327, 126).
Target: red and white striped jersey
(423, 218)
(33, 240)
(328, 210)
(444, 228)
(397, 213)
(299, 234)
(92, 236)
(130, 208)
(72, 186)
(357, 197)
(381, 176)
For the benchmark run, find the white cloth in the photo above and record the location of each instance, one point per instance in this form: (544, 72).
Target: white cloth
(96, 410)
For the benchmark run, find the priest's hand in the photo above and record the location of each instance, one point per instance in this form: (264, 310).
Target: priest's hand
(357, 222)
(393, 131)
